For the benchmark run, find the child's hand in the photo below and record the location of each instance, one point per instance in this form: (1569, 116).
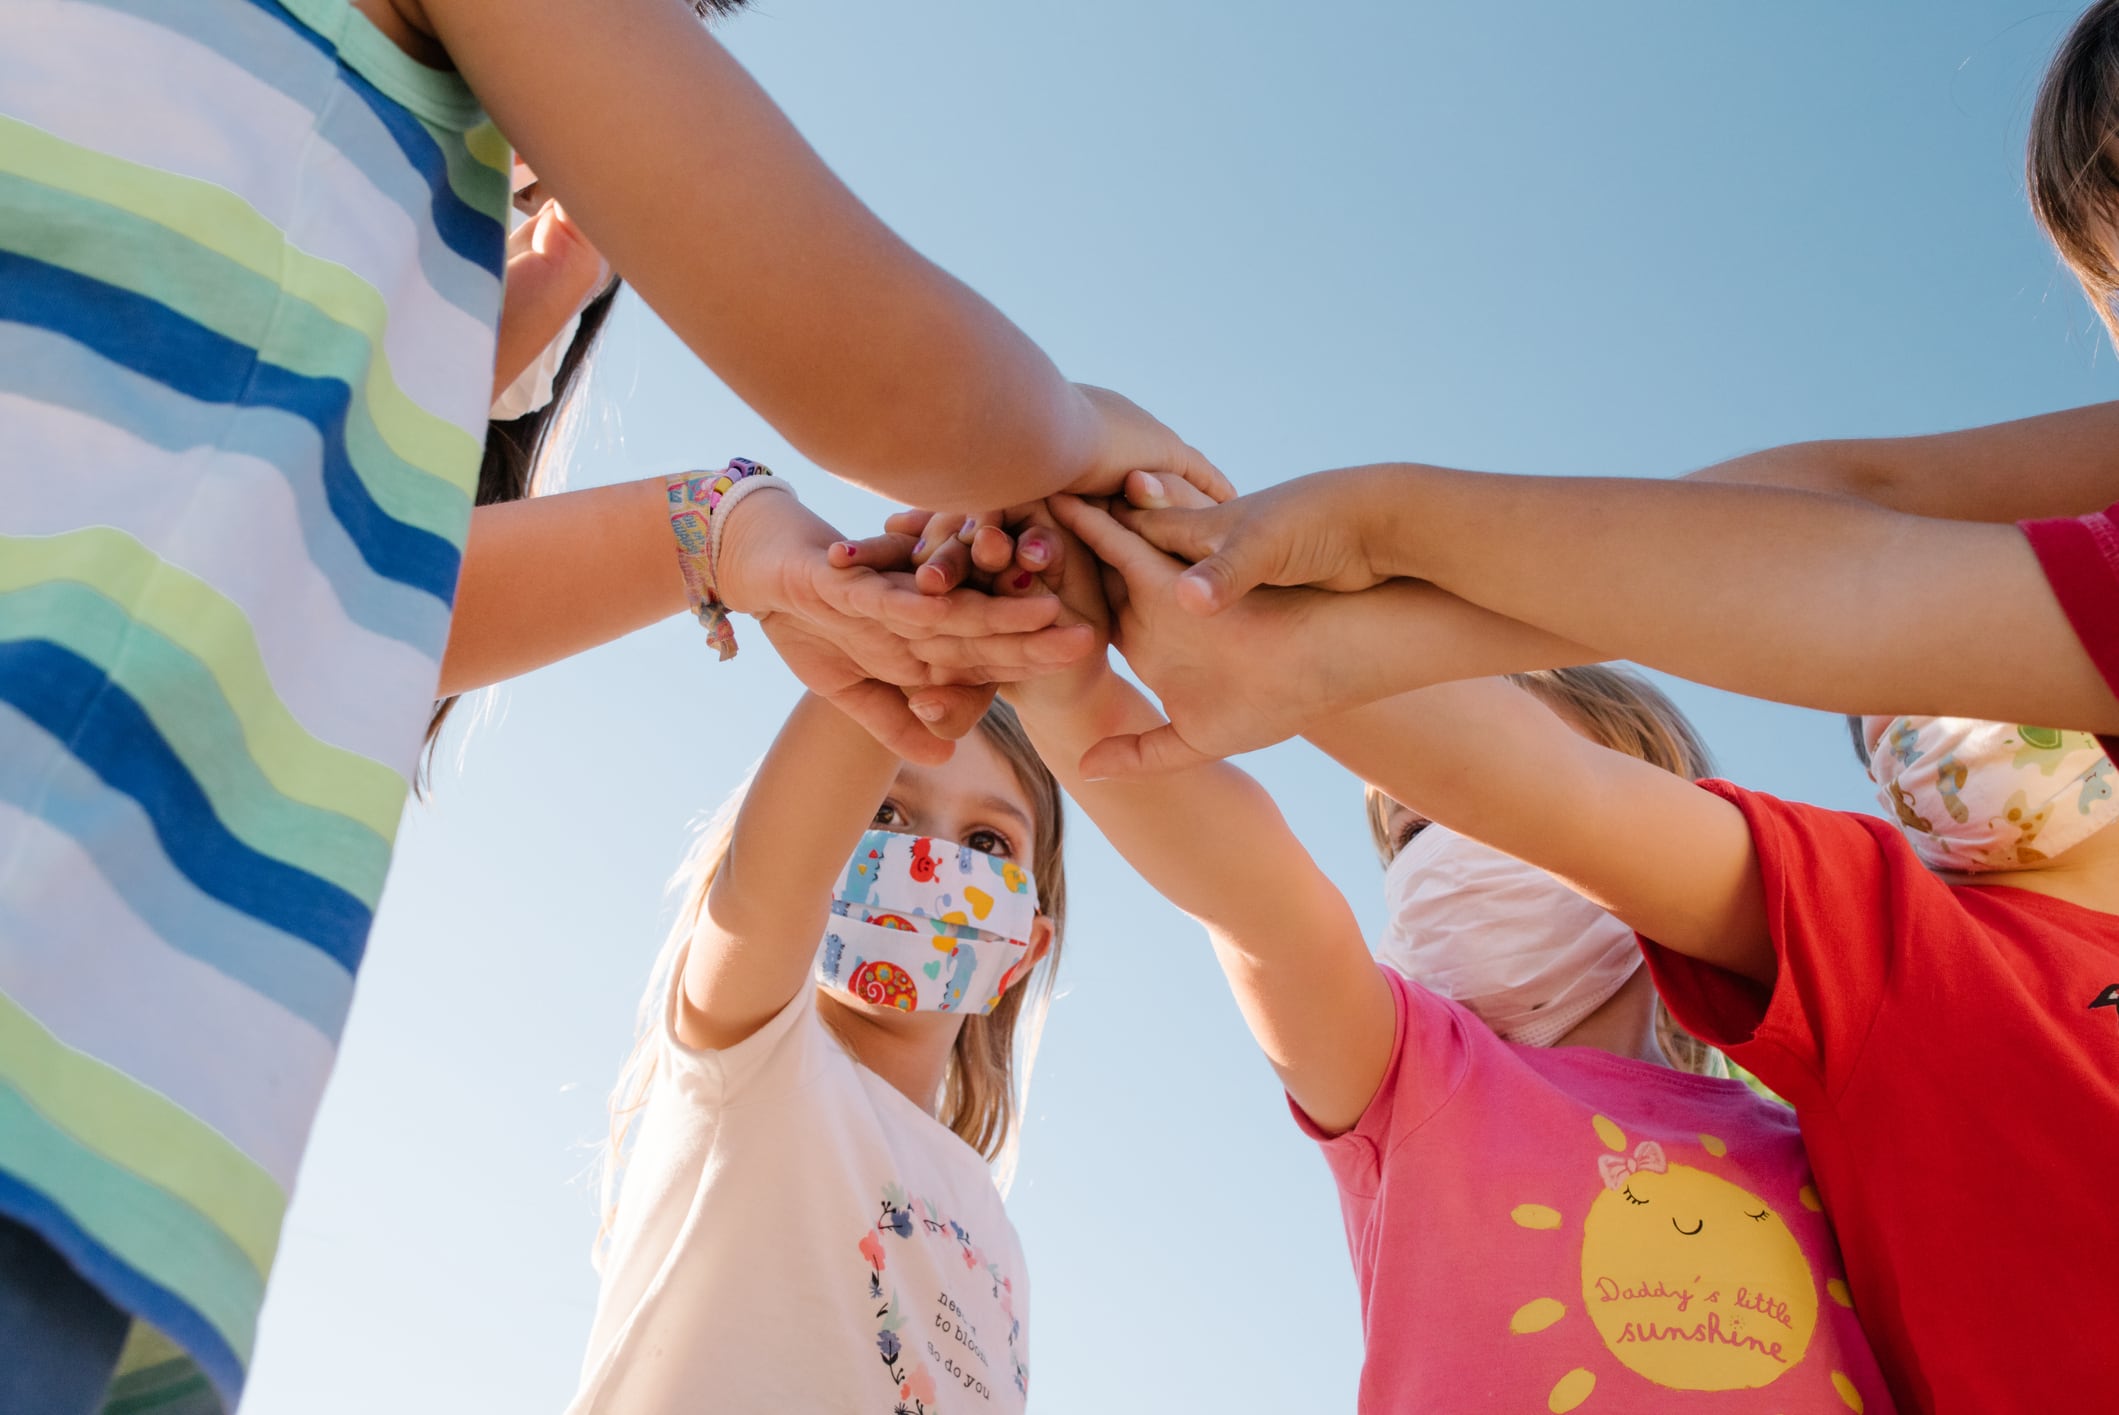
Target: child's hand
(1312, 531)
(1257, 675)
(860, 637)
(1072, 574)
(1133, 440)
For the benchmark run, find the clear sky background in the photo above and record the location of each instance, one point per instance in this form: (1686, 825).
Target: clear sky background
(1545, 237)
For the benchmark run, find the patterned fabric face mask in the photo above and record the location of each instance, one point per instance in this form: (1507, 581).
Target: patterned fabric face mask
(1973, 796)
(926, 926)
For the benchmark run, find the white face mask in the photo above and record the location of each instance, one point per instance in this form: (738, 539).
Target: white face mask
(532, 388)
(926, 926)
(1973, 796)
(1529, 955)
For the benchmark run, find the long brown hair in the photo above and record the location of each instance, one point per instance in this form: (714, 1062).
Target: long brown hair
(1629, 714)
(987, 1080)
(524, 458)
(2071, 169)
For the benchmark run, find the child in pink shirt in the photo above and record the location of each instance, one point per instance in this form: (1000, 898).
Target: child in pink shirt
(1544, 1214)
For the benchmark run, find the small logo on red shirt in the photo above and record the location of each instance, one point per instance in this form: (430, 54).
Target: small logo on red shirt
(2108, 998)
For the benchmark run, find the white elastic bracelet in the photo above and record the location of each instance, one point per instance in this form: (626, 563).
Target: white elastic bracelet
(724, 508)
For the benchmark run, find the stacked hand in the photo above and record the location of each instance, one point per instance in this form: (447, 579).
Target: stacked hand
(1269, 662)
(920, 623)
(862, 635)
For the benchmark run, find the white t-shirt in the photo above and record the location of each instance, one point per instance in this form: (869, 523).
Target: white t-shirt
(794, 1235)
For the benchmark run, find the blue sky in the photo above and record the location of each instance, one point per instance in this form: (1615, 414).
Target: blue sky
(1546, 237)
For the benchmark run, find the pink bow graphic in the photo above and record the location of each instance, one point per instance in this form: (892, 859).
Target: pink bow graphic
(1647, 1158)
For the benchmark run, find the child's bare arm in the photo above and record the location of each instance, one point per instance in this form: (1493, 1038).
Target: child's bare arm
(1482, 757)
(880, 366)
(815, 792)
(1211, 841)
(2055, 464)
(1667, 857)
(1812, 599)
(553, 575)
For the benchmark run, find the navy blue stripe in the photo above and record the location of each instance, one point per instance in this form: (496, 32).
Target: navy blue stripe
(125, 1285)
(155, 341)
(109, 733)
(473, 235)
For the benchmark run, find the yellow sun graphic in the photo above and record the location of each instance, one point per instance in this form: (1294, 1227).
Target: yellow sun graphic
(1691, 1281)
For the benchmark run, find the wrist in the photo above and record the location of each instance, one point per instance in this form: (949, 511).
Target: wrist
(760, 542)
(1065, 694)
(1386, 518)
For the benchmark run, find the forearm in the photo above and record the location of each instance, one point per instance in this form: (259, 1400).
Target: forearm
(1210, 840)
(1401, 635)
(875, 363)
(1194, 835)
(545, 578)
(1668, 858)
(1815, 600)
(808, 802)
(2056, 464)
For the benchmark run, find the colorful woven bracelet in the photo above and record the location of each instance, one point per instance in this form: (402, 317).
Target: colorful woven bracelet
(695, 497)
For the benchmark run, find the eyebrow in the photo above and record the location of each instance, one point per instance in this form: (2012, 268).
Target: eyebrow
(1006, 807)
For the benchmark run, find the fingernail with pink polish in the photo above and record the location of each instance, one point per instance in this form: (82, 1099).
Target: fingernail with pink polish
(919, 547)
(1022, 581)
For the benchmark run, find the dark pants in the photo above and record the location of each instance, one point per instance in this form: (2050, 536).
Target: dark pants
(59, 1335)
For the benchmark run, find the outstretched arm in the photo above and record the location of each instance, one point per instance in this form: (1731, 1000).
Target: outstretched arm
(878, 365)
(2055, 464)
(1211, 841)
(814, 793)
(554, 575)
(1817, 600)
(1665, 856)
(1668, 858)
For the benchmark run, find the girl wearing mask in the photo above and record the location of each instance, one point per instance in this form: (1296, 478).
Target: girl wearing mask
(802, 1204)
(1544, 1212)
(1936, 993)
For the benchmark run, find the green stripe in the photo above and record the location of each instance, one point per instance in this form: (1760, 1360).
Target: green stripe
(476, 180)
(122, 249)
(154, 1374)
(194, 617)
(117, 1123)
(485, 143)
(441, 459)
(435, 94)
(144, 1178)
(183, 699)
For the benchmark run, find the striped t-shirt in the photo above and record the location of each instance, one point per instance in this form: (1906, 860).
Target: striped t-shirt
(250, 260)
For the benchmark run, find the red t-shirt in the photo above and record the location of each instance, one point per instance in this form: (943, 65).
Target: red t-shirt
(2080, 557)
(1953, 1056)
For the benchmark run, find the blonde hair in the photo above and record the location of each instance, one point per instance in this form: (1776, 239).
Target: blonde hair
(2071, 168)
(1625, 712)
(984, 1087)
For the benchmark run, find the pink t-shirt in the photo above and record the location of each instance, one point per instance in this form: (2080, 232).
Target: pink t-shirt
(1558, 1228)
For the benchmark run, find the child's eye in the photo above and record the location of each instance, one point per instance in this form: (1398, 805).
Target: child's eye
(887, 815)
(990, 842)
(1410, 830)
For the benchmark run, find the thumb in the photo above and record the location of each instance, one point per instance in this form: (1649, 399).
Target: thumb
(950, 711)
(882, 710)
(1145, 754)
(1222, 578)
(1188, 535)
